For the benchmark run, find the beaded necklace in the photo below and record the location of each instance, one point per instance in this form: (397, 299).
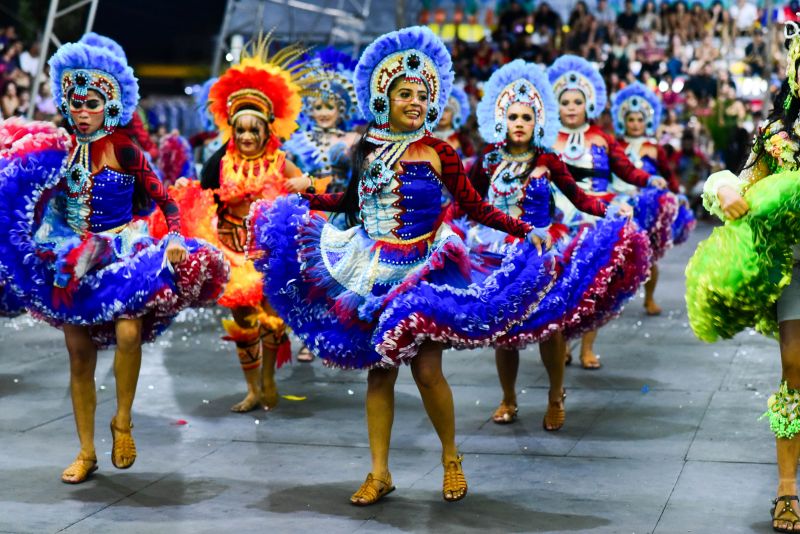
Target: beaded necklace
(392, 147)
(575, 147)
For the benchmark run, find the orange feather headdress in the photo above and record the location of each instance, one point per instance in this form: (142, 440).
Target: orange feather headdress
(268, 87)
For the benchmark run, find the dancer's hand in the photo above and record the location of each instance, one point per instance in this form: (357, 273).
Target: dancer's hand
(537, 241)
(657, 182)
(625, 210)
(176, 253)
(731, 203)
(298, 184)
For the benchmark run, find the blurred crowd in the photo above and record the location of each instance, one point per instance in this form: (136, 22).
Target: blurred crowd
(19, 65)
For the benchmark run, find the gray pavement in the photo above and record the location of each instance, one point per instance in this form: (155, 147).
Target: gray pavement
(663, 439)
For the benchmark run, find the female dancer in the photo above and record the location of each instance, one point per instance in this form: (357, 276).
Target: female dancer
(78, 256)
(746, 274)
(454, 118)
(255, 104)
(397, 286)
(636, 113)
(516, 175)
(590, 154)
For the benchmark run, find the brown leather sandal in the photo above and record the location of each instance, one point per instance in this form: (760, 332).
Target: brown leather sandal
(372, 490)
(556, 414)
(305, 355)
(123, 448)
(786, 515)
(79, 470)
(454, 483)
(505, 414)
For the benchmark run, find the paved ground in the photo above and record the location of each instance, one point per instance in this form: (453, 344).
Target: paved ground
(663, 439)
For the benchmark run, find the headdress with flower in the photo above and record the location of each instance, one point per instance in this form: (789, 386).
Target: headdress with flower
(79, 67)
(416, 53)
(524, 83)
(459, 103)
(269, 87)
(333, 80)
(575, 73)
(636, 98)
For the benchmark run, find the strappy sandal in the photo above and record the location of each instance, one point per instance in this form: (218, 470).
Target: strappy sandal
(370, 493)
(786, 515)
(555, 415)
(505, 414)
(122, 447)
(454, 483)
(81, 468)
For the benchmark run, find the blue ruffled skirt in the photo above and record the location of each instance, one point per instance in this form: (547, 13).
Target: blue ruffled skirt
(360, 303)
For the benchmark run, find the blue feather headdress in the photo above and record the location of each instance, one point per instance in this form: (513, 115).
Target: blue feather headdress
(77, 68)
(200, 95)
(575, 73)
(416, 53)
(333, 80)
(525, 83)
(101, 41)
(636, 98)
(459, 104)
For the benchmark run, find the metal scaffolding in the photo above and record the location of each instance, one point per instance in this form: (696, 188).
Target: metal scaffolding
(338, 21)
(54, 13)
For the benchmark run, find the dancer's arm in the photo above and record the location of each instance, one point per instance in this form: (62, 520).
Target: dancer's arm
(561, 176)
(469, 200)
(622, 166)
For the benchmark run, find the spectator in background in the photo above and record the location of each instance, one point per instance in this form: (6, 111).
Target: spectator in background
(649, 54)
(744, 14)
(29, 60)
(9, 100)
(511, 20)
(703, 84)
(545, 17)
(44, 105)
(755, 53)
(628, 20)
(578, 14)
(698, 24)
(649, 19)
(605, 18)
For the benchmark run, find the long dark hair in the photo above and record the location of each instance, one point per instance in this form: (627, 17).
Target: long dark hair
(787, 115)
(349, 202)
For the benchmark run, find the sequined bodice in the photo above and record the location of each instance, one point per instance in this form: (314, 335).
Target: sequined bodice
(509, 193)
(100, 202)
(406, 208)
(634, 150)
(591, 169)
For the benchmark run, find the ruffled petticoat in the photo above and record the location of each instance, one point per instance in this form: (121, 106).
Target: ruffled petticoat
(96, 279)
(685, 222)
(597, 267)
(360, 303)
(736, 276)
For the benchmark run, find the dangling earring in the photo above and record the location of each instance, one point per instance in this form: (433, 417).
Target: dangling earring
(788, 102)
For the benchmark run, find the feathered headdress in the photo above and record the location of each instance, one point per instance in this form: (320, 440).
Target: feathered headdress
(333, 79)
(269, 87)
(200, 95)
(416, 53)
(101, 41)
(77, 68)
(636, 98)
(525, 83)
(458, 102)
(575, 73)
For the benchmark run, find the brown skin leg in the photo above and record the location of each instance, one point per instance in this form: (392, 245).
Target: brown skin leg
(270, 342)
(82, 363)
(127, 362)
(507, 361)
(650, 306)
(588, 357)
(788, 450)
(554, 354)
(251, 376)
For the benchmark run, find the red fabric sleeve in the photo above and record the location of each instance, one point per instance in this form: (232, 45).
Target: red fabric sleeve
(560, 175)
(140, 135)
(622, 166)
(133, 162)
(665, 169)
(327, 202)
(467, 198)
